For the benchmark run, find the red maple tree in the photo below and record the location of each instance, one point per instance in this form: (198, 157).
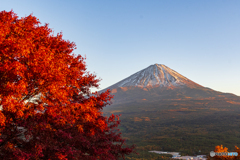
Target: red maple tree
(65, 120)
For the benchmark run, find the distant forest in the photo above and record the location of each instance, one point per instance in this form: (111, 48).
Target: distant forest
(191, 127)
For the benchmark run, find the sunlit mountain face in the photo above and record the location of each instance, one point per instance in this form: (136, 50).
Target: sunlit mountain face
(157, 75)
(165, 111)
(158, 82)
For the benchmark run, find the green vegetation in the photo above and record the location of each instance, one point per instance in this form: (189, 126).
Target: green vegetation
(191, 127)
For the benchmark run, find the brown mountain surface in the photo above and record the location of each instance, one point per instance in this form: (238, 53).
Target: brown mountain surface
(163, 110)
(159, 82)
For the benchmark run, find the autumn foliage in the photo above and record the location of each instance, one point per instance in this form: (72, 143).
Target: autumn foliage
(65, 120)
(225, 149)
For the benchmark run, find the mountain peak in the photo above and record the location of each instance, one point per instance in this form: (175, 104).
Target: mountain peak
(159, 64)
(156, 75)
(159, 82)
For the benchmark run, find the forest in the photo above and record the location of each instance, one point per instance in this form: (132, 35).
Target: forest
(191, 127)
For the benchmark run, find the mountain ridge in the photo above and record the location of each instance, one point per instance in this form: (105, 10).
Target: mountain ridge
(158, 82)
(152, 76)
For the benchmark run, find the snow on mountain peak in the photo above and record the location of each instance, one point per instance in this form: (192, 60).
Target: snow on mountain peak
(154, 75)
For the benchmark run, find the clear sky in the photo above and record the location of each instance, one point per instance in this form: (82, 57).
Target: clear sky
(198, 39)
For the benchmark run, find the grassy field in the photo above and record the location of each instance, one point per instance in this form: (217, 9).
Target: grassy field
(191, 127)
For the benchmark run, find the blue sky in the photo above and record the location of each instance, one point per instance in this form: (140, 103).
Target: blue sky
(199, 39)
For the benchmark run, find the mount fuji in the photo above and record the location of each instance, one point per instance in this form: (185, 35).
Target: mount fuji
(159, 107)
(158, 82)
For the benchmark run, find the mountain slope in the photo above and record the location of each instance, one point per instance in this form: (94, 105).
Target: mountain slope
(163, 110)
(157, 75)
(158, 82)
